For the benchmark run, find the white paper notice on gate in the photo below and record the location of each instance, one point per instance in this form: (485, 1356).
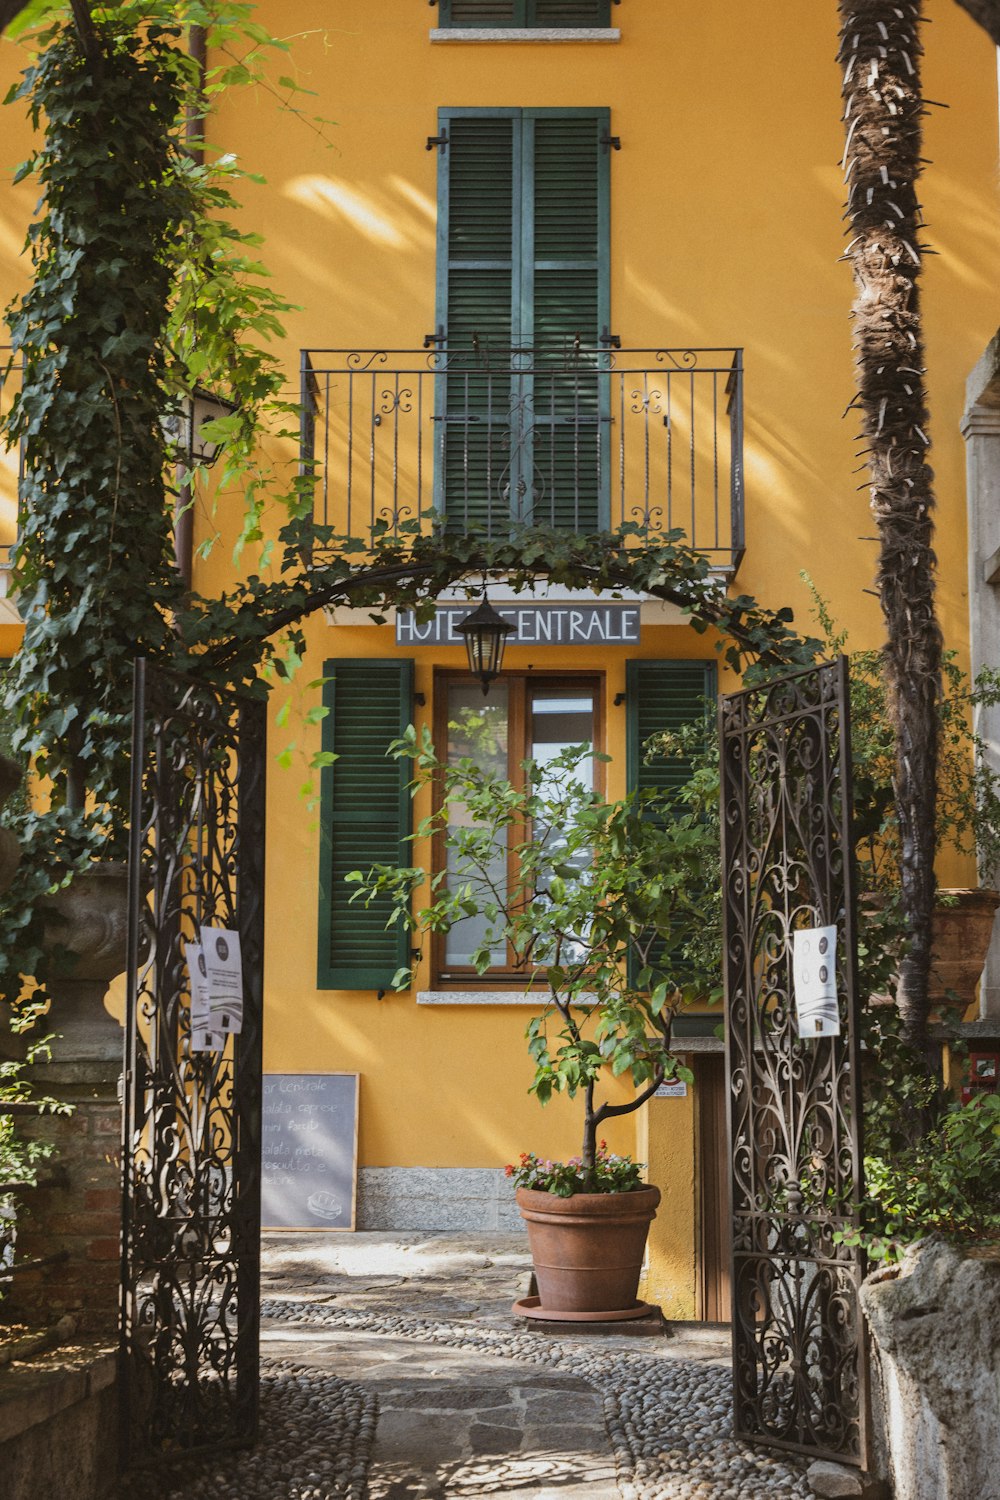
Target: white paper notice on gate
(814, 967)
(221, 947)
(204, 1038)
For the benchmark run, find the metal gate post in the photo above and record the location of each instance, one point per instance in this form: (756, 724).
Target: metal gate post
(190, 1282)
(799, 1358)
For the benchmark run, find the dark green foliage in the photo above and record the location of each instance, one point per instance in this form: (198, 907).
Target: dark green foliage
(94, 564)
(932, 1164)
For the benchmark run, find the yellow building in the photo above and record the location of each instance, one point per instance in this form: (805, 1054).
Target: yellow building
(578, 262)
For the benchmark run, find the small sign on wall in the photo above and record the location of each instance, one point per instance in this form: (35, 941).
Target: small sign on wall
(814, 967)
(675, 1089)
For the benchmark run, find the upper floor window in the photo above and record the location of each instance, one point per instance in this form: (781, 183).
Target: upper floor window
(523, 300)
(523, 13)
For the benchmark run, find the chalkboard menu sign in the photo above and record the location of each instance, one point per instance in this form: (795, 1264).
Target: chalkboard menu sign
(310, 1150)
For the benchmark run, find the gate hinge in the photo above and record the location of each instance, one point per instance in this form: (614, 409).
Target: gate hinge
(609, 142)
(610, 340)
(431, 340)
(437, 140)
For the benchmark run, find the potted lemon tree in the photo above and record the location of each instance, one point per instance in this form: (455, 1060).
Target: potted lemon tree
(610, 909)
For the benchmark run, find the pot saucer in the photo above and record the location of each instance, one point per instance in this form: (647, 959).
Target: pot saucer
(530, 1307)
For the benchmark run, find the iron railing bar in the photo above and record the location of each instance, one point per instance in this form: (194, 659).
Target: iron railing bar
(691, 393)
(395, 457)
(645, 445)
(420, 449)
(489, 444)
(371, 452)
(553, 498)
(350, 445)
(715, 454)
(467, 418)
(621, 445)
(576, 449)
(670, 450)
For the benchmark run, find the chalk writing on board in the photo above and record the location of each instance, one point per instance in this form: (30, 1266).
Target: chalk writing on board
(309, 1150)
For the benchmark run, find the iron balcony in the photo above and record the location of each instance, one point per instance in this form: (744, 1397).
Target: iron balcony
(483, 440)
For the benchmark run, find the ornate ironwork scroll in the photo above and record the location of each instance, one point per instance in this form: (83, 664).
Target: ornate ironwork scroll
(191, 1148)
(795, 1114)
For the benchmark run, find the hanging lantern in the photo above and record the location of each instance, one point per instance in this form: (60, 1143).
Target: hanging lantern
(486, 635)
(184, 427)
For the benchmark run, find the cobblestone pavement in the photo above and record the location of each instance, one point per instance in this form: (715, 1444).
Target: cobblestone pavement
(393, 1369)
(470, 1404)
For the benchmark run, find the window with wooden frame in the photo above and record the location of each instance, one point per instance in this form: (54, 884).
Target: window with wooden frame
(366, 806)
(527, 716)
(555, 14)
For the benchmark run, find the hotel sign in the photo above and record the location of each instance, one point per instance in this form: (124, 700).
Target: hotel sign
(534, 624)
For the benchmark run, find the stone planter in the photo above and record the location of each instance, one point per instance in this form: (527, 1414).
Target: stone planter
(961, 937)
(72, 1222)
(935, 1320)
(587, 1252)
(961, 933)
(84, 938)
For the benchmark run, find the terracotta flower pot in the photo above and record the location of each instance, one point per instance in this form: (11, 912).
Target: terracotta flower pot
(587, 1249)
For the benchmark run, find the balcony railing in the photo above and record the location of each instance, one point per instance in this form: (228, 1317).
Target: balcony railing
(483, 441)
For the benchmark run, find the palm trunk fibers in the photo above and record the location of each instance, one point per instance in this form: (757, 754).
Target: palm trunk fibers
(880, 53)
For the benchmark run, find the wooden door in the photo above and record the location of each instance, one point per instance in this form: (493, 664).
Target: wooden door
(714, 1301)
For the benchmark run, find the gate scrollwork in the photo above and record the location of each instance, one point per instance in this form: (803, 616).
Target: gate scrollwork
(191, 1142)
(795, 1110)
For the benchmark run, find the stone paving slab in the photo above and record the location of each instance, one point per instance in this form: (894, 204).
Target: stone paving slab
(452, 1422)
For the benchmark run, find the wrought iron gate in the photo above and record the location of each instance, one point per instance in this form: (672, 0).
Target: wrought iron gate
(799, 1360)
(191, 1150)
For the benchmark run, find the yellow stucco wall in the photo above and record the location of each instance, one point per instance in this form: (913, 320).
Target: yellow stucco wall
(666, 1141)
(726, 230)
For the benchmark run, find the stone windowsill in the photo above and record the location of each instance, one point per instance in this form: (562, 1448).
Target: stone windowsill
(488, 997)
(526, 34)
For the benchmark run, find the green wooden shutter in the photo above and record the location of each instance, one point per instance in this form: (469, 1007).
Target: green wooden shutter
(569, 12)
(525, 12)
(365, 818)
(479, 295)
(566, 306)
(523, 262)
(662, 695)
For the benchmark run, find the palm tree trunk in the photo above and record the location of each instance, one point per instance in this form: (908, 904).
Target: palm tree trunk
(880, 52)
